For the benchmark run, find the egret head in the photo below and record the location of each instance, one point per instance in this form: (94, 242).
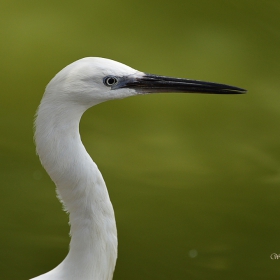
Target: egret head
(93, 80)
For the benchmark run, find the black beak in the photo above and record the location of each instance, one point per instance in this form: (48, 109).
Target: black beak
(149, 83)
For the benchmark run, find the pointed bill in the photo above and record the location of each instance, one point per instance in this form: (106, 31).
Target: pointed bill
(150, 83)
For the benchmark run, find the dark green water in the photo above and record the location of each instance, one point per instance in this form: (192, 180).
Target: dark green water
(194, 179)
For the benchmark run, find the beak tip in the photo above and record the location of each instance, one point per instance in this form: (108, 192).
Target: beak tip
(242, 91)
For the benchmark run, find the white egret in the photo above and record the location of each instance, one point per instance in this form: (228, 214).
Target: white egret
(79, 183)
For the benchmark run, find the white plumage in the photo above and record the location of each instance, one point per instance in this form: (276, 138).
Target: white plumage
(80, 185)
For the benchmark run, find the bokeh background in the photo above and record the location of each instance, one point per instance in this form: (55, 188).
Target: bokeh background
(194, 179)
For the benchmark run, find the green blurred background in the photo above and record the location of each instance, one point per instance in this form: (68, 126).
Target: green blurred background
(194, 179)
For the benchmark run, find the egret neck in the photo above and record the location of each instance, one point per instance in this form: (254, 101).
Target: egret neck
(81, 189)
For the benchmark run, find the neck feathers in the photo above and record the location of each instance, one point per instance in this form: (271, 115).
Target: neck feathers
(82, 190)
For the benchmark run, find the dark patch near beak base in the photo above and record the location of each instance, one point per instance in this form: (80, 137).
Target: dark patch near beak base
(150, 83)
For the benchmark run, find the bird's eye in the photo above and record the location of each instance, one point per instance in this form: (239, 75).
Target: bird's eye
(110, 81)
